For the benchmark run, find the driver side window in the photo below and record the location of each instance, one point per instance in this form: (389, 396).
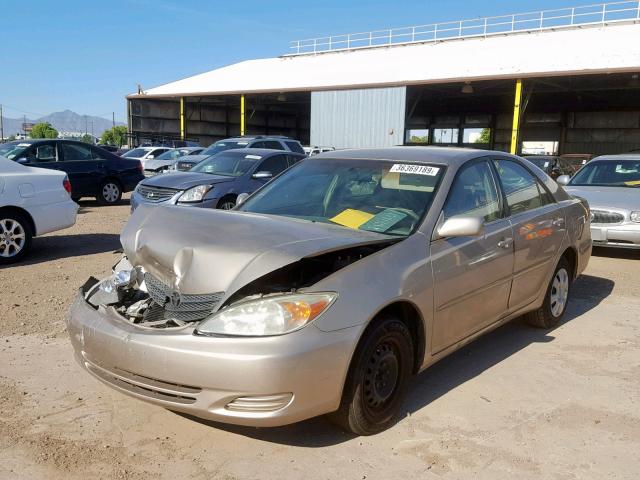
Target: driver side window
(474, 193)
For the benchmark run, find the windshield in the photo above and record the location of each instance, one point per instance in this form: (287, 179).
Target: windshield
(136, 153)
(228, 164)
(609, 173)
(223, 145)
(373, 195)
(173, 154)
(12, 150)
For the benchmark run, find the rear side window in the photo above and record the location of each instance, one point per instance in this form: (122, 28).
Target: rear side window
(42, 153)
(273, 144)
(474, 193)
(294, 146)
(74, 151)
(522, 189)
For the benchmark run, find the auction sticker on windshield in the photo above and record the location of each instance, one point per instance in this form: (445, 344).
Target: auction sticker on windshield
(415, 169)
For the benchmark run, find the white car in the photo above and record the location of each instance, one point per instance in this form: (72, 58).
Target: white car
(311, 150)
(145, 153)
(33, 201)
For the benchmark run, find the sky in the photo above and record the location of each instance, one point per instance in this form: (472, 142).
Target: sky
(88, 55)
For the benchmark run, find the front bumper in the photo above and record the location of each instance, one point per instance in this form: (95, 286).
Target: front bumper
(626, 235)
(264, 381)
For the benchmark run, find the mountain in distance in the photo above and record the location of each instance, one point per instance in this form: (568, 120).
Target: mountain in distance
(65, 121)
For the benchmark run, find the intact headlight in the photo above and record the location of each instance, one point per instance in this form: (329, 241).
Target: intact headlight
(195, 194)
(268, 316)
(635, 216)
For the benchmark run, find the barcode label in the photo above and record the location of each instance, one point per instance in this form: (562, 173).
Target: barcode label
(415, 169)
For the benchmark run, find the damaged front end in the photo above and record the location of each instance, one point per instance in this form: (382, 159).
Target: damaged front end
(146, 301)
(272, 304)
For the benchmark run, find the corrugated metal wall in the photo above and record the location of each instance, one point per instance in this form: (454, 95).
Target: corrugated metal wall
(358, 118)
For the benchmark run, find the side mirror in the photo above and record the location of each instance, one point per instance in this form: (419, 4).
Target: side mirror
(241, 198)
(22, 160)
(262, 175)
(563, 180)
(461, 226)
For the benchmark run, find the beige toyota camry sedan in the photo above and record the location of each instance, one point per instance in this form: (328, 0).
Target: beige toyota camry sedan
(328, 288)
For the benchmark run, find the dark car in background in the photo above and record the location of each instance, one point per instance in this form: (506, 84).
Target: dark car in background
(552, 165)
(275, 142)
(217, 181)
(92, 171)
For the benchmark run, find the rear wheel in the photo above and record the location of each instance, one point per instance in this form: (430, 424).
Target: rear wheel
(378, 378)
(555, 300)
(109, 193)
(15, 237)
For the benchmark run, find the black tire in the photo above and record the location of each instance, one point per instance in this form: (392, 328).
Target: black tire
(227, 203)
(76, 199)
(109, 192)
(15, 237)
(378, 379)
(555, 301)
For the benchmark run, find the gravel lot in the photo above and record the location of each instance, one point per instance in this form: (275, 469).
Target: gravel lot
(518, 403)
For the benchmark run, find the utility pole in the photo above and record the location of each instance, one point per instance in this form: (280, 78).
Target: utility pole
(1, 126)
(24, 125)
(113, 118)
(92, 128)
(85, 125)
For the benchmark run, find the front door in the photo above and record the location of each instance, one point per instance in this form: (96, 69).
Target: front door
(472, 275)
(538, 227)
(85, 172)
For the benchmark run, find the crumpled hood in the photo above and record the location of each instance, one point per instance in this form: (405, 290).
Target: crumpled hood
(155, 164)
(184, 180)
(614, 197)
(193, 158)
(200, 251)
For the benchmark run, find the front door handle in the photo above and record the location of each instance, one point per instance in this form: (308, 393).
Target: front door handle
(558, 222)
(505, 243)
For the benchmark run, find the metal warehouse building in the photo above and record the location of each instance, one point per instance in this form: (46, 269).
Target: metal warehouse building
(567, 78)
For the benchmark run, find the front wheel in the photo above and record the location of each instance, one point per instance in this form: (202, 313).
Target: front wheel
(227, 203)
(109, 193)
(378, 379)
(555, 300)
(15, 237)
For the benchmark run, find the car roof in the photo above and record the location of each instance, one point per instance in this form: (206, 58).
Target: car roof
(257, 137)
(263, 152)
(438, 155)
(621, 156)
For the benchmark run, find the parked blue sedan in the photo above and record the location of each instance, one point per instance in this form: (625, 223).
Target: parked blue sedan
(217, 181)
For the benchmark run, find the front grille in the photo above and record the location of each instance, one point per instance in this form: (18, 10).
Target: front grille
(169, 304)
(602, 216)
(155, 194)
(184, 166)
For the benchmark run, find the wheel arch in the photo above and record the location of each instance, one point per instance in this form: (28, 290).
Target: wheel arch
(571, 255)
(22, 211)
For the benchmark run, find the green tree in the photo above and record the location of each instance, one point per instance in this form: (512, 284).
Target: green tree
(43, 130)
(86, 138)
(485, 136)
(115, 136)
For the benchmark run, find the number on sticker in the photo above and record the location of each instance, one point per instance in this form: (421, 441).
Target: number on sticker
(414, 169)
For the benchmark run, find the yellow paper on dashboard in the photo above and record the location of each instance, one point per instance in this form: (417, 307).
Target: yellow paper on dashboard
(352, 218)
(632, 182)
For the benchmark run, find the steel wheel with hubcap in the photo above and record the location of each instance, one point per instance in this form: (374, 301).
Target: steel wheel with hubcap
(227, 203)
(555, 300)
(377, 379)
(109, 193)
(15, 237)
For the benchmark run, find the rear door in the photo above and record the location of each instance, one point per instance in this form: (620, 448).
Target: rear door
(472, 275)
(538, 226)
(85, 172)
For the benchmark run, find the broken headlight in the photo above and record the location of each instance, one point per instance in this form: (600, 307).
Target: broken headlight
(275, 315)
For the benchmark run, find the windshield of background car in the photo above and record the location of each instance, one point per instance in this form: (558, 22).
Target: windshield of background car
(542, 163)
(221, 146)
(228, 164)
(609, 173)
(136, 153)
(374, 195)
(13, 150)
(173, 154)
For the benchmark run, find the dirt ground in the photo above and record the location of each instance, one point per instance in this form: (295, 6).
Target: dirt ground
(519, 403)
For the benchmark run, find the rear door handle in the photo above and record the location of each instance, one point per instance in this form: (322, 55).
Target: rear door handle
(505, 243)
